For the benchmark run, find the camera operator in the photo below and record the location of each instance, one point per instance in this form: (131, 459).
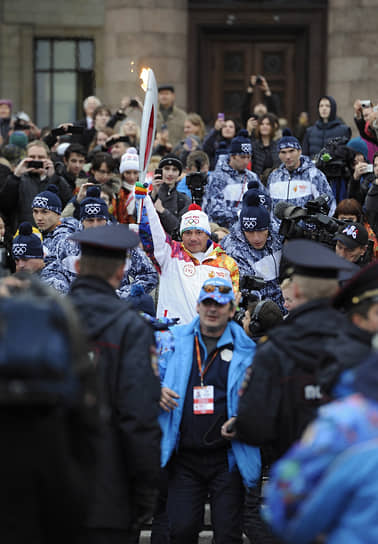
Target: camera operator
(255, 249)
(260, 317)
(31, 176)
(196, 163)
(297, 180)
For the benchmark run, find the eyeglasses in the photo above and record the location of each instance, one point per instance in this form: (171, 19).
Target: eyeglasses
(223, 289)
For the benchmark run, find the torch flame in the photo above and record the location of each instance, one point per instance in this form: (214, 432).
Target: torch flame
(144, 78)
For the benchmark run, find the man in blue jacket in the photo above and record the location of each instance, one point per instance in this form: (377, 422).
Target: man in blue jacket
(202, 368)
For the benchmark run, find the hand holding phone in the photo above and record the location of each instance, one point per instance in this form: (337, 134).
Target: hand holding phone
(35, 164)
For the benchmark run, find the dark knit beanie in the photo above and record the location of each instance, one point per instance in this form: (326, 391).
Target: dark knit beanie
(171, 160)
(265, 199)
(288, 141)
(241, 144)
(27, 245)
(93, 205)
(253, 215)
(48, 200)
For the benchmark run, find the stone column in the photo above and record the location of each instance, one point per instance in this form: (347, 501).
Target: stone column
(150, 33)
(352, 54)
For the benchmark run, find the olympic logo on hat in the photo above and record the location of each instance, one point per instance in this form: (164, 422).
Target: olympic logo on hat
(19, 249)
(249, 222)
(193, 220)
(246, 148)
(40, 202)
(92, 209)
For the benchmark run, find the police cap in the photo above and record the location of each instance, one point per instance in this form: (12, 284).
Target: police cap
(108, 241)
(309, 258)
(362, 287)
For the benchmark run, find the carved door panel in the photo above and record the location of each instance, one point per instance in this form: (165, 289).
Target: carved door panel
(232, 64)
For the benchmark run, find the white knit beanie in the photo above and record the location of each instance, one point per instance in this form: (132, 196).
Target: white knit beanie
(129, 160)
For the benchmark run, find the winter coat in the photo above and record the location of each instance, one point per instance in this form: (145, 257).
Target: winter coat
(175, 365)
(182, 274)
(294, 371)
(224, 193)
(211, 144)
(320, 133)
(264, 263)
(128, 445)
(174, 122)
(297, 187)
(338, 458)
(17, 195)
(50, 240)
(139, 270)
(261, 152)
(175, 204)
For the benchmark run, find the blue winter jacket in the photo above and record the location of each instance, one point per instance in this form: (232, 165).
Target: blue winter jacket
(175, 365)
(298, 186)
(224, 193)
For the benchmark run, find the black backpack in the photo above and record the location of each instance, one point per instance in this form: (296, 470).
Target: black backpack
(35, 353)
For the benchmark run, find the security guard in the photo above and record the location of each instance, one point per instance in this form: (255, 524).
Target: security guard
(289, 375)
(128, 446)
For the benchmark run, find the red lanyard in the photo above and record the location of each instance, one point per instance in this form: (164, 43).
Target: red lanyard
(199, 361)
(242, 191)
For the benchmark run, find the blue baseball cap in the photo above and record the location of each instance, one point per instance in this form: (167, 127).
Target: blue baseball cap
(217, 289)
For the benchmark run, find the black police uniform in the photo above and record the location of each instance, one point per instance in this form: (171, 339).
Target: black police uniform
(295, 368)
(128, 446)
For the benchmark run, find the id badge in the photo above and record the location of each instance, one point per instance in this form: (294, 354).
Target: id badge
(203, 400)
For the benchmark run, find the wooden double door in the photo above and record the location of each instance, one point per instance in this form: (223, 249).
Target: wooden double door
(232, 64)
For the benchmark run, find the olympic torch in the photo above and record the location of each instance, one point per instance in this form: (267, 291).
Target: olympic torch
(148, 126)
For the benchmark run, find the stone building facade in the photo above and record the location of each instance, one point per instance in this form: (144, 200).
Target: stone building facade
(129, 34)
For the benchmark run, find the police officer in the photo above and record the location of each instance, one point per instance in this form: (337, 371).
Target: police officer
(289, 374)
(128, 445)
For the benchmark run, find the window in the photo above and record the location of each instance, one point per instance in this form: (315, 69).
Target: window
(63, 77)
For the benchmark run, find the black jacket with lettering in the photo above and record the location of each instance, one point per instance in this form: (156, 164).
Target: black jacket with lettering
(293, 372)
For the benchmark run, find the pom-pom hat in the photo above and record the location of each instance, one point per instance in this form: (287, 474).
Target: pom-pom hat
(241, 144)
(129, 160)
(195, 218)
(253, 215)
(49, 200)
(93, 205)
(27, 245)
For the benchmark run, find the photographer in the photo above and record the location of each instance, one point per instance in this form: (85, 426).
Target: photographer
(31, 176)
(169, 203)
(258, 83)
(255, 249)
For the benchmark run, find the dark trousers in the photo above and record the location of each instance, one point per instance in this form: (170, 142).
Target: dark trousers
(254, 526)
(192, 478)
